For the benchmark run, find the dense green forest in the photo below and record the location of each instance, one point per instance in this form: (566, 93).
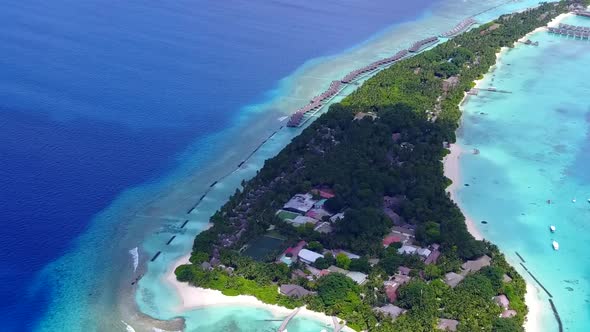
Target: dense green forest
(361, 163)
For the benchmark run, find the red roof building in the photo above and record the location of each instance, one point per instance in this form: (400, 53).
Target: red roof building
(391, 291)
(388, 240)
(326, 193)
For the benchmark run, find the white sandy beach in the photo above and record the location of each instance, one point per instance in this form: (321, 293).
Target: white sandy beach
(533, 301)
(451, 168)
(196, 297)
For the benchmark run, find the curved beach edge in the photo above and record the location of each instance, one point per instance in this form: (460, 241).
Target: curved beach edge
(193, 297)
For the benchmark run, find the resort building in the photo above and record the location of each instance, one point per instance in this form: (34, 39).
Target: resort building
(391, 286)
(434, 255)
(401, 279)
(300, 203)
(314, 272)
(390, 239)
(450, 83)
(294, 291)
(318, 213)
(324, 227)
(407, 250)
(508, 314)
(308, 256)
(337, 217)
(336, 269)
(502, 301)
(406, 230)
(391, 290)
(404, 270)
(423, 252)
(390, 310)
(477, 264)
(358, 277)
(453, 279)
(447, 324)
(325, 193)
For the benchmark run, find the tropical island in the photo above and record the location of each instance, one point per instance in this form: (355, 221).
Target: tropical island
(353, 219)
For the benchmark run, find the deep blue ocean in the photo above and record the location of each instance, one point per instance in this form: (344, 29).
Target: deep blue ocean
(100, 96)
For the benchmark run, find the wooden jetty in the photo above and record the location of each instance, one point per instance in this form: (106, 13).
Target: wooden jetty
(337, 325)
(475, 91)
(530, 42)
(283, 326)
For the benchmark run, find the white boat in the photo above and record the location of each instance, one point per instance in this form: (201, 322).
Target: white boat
(573, 200)
(555, 245)
(552, 228)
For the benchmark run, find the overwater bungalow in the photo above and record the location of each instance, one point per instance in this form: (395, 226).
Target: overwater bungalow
(419, 45)
(461, 27)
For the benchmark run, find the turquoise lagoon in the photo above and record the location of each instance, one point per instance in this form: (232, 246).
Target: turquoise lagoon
(535, 146)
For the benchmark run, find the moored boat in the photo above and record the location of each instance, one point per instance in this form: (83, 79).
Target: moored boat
(555, 245)
(552, 229)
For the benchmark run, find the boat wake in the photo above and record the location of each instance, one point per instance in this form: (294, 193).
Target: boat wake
(135, 257)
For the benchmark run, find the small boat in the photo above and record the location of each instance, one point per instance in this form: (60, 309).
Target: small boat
(552, 229)
(555, 245)
(573, 200)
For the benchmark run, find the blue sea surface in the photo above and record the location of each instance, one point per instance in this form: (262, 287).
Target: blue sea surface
(97, 97)
(532, 169)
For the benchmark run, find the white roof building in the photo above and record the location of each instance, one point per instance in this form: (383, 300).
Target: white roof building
(308, 256)
(358, 277)
(407, 250)
(300, 203)
(423, 252)
(337, 217)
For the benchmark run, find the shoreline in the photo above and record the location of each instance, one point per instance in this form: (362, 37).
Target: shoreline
(452, 171)
(451, 166)
(193, 297)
